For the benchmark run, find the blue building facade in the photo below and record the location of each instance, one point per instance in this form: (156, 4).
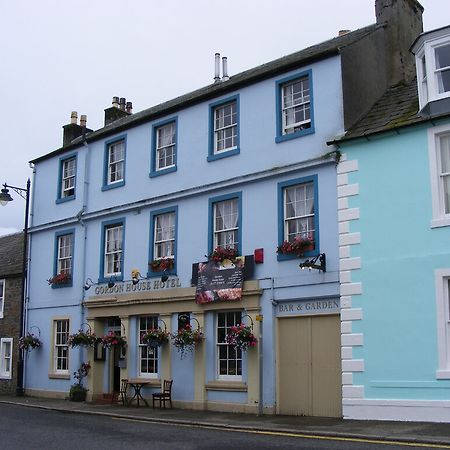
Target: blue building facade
(241, 164)
(394, 255)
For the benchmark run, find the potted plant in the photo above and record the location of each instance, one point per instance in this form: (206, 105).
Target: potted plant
(299, 246)
(81, 339)
(29, 342)
(112, 339)
(77, 391)
(162, 264)
(185, 339)
(60, 279)
(155, 337)
(220, 254)
(241, 336)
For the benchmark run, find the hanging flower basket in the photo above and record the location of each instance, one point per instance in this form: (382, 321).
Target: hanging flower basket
(81, 339)
(155, 337)
(29, 342)
(241, 336)
(161, 264)
(112, 339)
(298, 247)
(60, 279)
(185, 339)
(220, 254)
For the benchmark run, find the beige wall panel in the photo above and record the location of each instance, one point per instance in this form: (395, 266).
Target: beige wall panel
(309, 367)
(293, 366)
(326, 366)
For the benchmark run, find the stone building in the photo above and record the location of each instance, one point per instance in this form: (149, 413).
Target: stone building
(11, 248)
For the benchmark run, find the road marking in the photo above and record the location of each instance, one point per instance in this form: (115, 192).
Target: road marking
(287, 434)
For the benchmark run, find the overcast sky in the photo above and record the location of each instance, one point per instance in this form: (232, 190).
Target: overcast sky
(59, 56)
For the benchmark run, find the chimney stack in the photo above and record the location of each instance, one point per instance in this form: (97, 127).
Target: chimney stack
(403, 22)
(343, 32)
(73, 130)
(120, 108)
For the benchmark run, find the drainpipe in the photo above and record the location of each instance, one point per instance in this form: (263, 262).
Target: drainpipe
(83, 210)
(261, 360)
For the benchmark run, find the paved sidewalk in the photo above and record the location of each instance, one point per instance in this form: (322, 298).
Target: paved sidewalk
(416, 432)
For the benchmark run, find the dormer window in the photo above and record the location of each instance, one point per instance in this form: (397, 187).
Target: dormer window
(432, 50)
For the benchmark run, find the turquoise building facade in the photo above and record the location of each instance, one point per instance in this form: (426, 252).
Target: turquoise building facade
(394, 249)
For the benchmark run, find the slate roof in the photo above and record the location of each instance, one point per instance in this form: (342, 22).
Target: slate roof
(11, 249)
(316, 52)
(398, 107)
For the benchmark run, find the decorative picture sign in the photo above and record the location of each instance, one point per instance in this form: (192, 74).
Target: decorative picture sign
(220, 281)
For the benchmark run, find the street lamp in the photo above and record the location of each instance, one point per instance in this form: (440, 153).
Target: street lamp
(5, 198)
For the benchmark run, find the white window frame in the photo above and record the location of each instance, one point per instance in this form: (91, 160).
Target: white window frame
(220, 128)
(4, 344)
(440, 218)
(165, 149)
(68, 177)
(2, 297)
(144, 352)
(61, 329)
(65, 254)
(305, 103)
(230, 350)
(166, 239)
(117, 165)
(231, 232)
(442, 280)
(307, 233)
(114, 255)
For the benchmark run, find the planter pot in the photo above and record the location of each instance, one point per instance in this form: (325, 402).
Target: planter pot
(77, 396)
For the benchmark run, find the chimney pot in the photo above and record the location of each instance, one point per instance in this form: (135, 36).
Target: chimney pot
(129, 107)
(74, 117)
(216, 67)
(225, 76)
(83, 120)
(115, 102)
(122, 103)
(343, 32)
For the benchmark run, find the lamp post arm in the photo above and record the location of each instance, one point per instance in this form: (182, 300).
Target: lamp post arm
(23, 192)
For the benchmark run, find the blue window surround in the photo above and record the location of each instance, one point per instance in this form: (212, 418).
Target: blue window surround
(281, 187)
(280, 137)
(59, 198)
(106, 224)
(107, 186)
(153, 214)
(225, 153)
(218, 199)
(71, 232)
(153, 171)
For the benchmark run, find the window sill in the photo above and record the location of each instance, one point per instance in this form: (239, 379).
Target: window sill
(5, 377)
(288, 137)
(107, 278)
(442, 374)
(440, 222)
(59, 376)
(65, 199)
(157, 173)
(223, 154)
(231, 386)
(107, 187)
